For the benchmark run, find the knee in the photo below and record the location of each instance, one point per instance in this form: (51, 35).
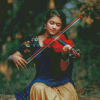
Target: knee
(38, 86)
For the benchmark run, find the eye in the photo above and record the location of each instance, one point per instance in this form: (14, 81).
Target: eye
(51, 22)
(59, 25)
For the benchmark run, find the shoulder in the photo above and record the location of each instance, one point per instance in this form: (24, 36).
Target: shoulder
(29, 37)
(31, 41)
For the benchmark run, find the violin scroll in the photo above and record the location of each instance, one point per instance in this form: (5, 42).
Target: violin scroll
(75, 53)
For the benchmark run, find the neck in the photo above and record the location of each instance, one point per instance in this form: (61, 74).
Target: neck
(42, 38)
(46, 34)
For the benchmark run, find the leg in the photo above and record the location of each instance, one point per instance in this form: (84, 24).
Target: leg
(67, 92)
(41, 91)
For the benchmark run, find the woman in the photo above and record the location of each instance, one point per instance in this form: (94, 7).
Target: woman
(54, 69)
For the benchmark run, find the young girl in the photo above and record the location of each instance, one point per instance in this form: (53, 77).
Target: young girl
(54, 69)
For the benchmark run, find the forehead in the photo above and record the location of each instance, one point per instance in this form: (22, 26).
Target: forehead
(55, 19)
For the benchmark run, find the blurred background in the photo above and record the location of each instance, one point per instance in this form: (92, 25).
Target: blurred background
(19, 18)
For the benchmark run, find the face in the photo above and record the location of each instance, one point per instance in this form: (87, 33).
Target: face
(53, 25)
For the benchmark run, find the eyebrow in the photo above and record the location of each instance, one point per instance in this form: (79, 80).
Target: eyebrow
(54, 22)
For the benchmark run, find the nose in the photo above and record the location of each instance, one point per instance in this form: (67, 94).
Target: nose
(54, 26)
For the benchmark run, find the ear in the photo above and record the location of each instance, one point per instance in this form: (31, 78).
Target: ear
(44, 26)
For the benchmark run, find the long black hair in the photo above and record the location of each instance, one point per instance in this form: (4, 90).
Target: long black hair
(50, 14)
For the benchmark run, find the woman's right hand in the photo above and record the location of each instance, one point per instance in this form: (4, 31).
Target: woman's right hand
(18, 60)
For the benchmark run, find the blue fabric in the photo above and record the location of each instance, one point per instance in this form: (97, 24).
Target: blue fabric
(48, 70)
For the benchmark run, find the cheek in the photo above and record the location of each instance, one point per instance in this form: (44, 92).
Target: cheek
(58, 29)
(48, 26)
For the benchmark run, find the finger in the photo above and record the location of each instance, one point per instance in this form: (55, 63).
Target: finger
(22, 62)
(68, 51)
(16, 65)
(20, 65)
(69, 47)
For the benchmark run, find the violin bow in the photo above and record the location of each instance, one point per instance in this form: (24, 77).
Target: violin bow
(54, 38)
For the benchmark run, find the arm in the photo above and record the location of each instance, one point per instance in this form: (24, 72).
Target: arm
(18, 60)
(65, 60)
(17, 57)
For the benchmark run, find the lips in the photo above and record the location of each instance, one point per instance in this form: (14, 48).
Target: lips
(53, 31)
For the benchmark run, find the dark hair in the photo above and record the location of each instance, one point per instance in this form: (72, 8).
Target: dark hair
(52, 13)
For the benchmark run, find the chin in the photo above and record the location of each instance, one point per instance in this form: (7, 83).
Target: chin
(52, 33)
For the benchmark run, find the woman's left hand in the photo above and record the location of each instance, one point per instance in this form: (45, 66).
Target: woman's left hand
(65, 57)
(66, 50)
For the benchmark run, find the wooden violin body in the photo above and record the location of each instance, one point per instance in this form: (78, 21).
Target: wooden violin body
(58, 44)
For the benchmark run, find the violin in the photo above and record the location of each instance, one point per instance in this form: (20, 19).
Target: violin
(58, 44)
